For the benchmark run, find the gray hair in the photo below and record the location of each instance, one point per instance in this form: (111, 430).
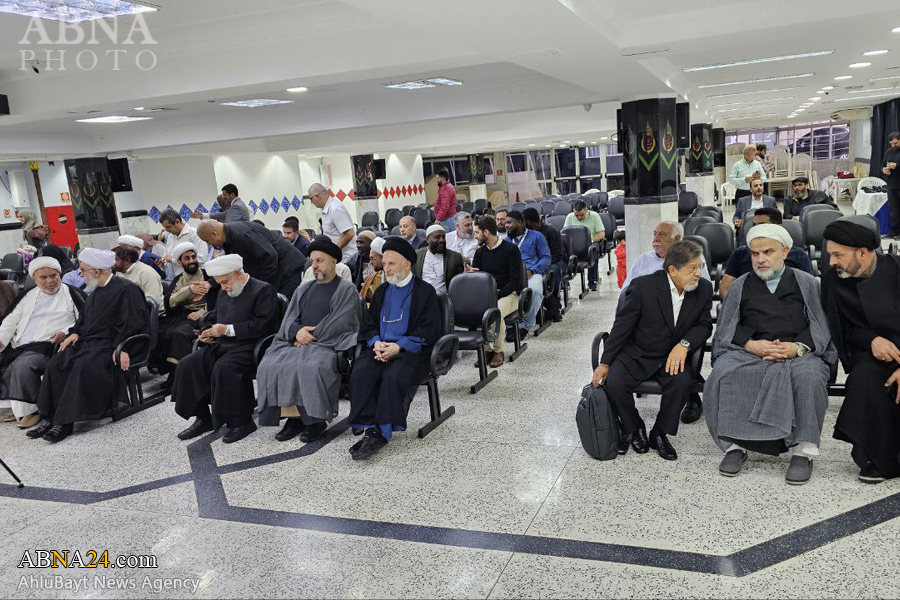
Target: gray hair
(316, 189)
(463, 215)
(681, 253)
(170, 215)
(675, 226)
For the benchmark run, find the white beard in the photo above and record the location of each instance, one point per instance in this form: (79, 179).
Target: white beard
(237, 289)
(91, 285)
(395, 279)
(691, 287)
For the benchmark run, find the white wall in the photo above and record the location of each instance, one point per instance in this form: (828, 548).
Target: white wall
(861, 140)
(401, 171)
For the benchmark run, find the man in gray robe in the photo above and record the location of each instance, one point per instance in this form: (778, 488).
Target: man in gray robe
(772, 354)
(298, 377)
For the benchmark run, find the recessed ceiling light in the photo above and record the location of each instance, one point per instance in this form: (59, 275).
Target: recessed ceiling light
(256, 103)
(860, 65)
(779, 78)
(756, 61)
(297, 90)
(547, 145)
(114, 119)
(895, 30)
(875, 52)
(857, 98)
(139, 108)
(581, 142)
(753, 118)
(843, 77)
(562, 145)
(800, 110)
(885, 78)
(567, 141)
(755, 102)
(816, 98)
(423, 83)
(868, 91)
(827, 87)
(444, 81)
(75, 11)
(532, 145)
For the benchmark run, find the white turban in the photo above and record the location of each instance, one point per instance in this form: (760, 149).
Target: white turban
(228, 263)
(98, 259)
(181, 248)
(433, 229)
(377, 246)
(130, 240)
(43, 262)
(772, 232)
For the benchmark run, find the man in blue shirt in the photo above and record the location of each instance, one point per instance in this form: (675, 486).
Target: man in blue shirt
(536, 256)
(741, 261)
(400, 328)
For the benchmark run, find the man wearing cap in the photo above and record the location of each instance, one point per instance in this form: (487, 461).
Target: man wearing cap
(267, 255)
(435, 264)
(360, 266)
(400, 328)
(128, 267)
(376, 278)
(148, 258)
(220, 373)
(177, 233)
(192, 295)
(85, 380)
(35, 322)
(536, 256)
(409, 232)
(860, 293)
(298, 377)
(803, 197)
(773, 356)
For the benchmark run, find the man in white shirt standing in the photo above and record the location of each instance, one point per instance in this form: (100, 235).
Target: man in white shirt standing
(744, 172)
(337, 223)
(178, 232)
(463, 239)
(42, 318)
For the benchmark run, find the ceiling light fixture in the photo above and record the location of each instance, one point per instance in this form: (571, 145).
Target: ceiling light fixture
(764, 79)
(896, 93)
(532, 145)
(875, 52)
(729, 95)
(581, 142)
(114, 119)
(547, 145)
(256, 103)
(420, 84)
(562, 145)
(860, 65)
(870, 90)
(756, 61)
(140, 108)
(895, 30)
(843, 77)
(297, 90)
(885, 78)
(827, 87)
(766, 101)
(816, 98)
(753, 118)
(75, 11)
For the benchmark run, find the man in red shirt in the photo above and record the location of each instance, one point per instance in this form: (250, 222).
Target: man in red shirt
(445, 205)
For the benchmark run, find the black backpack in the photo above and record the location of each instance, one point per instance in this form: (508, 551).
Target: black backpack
(597, 424)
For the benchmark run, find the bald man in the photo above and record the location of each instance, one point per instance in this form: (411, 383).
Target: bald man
(337, 223)
(744, 172)
(409, 233)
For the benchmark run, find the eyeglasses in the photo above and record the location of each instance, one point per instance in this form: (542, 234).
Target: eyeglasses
(383, 320)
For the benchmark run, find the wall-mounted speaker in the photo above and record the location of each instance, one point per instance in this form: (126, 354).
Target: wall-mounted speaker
(4, 105)
(683, 124)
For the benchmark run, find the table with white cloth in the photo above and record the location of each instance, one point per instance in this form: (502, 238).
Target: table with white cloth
(875, 204)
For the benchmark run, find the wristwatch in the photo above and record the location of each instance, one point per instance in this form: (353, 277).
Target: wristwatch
(801, 350)
(685, 343)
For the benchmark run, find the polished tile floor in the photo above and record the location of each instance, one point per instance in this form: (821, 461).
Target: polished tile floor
(500, 501)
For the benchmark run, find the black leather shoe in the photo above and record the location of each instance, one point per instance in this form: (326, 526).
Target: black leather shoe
(355, 447)
(313, 432)
(357, 431)
(196, 429)
(58, 433)
(371, 443)
(660, 443)
(510, 335)
(291, 429)
(557, 318)
(40, 429)
(639, 441)
(870, 474)
(238, 433)
(624, 442)
(488, 357)
(693, 410)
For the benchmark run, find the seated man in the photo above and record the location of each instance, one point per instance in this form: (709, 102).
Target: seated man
(463, 239)
(435, 264)
(665, 234)
(220, 373)
(82, 382)
(192, 295)
(590, 219)
(138, 273)
(400, 328)
(299, 371)
(292, 233)
(740, 262)
(148, 258)
(502, 259)
(376, 278)
(343, 270)
(772, 350)
(860, 295)
(359, 264)
(536, 256)
(558, 260)
(802, 197)
(754, 201)
(178, 232)
(662, 316)
(500, 218)
(37, 321)
(409, 232)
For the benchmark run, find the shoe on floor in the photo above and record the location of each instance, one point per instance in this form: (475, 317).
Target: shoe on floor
(38, 432)
(497, 361)
(372, 442)
(29, 421)
(292, 428)
(236, 434)
(355, 447)
(869, 474)
(58, 433)
(660, 443)
(196, 429)
(733, 462)
(639, 440)
(799, 471)
(10, 418)
(693, 410)
(488, 357)
(313, 432)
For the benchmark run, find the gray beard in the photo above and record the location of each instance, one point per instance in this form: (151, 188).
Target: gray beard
(237, 289)
(395, 279)
(691, 287)
(91, 285)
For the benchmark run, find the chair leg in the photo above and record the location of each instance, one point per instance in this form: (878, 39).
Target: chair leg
(483, 375)
(566, 303)
(609, 264)
(434, 402)
(584, 288)
(519, 346)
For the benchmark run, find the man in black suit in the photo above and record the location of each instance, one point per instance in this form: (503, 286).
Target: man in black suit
(660, 318)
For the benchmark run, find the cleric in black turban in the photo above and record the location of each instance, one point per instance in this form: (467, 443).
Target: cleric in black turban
(850, 234)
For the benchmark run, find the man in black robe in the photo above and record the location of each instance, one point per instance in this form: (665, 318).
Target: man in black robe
(83, 382)
(861, 295)
(267, 255)
(400, 328)
(192, 294)
(220, 373)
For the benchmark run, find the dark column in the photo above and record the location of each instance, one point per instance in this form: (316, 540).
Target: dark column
(701, 152)
(718, 142)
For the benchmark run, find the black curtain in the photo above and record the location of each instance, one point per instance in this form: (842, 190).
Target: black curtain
(885, 119)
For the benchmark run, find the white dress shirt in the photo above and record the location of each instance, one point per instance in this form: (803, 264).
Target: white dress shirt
(465, 247)
(677, 300)
(336, 221)
(433, 271)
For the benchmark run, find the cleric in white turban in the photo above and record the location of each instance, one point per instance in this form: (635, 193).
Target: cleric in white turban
(773, 352)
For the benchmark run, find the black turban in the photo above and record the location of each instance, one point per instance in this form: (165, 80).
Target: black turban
(514, 214)
(401, 246)
(326, 246)
(531, 215)
(847, 233)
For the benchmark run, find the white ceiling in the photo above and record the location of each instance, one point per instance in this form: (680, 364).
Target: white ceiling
(529, 66)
